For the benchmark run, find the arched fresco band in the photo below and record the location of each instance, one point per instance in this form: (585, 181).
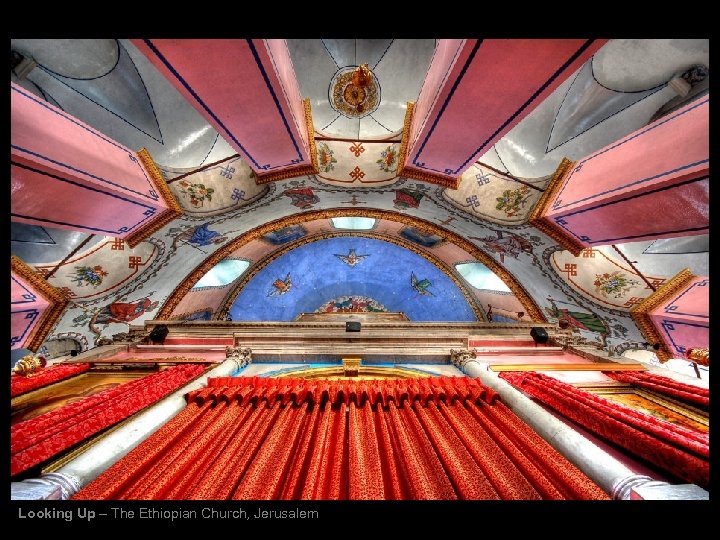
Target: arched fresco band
(531, 307)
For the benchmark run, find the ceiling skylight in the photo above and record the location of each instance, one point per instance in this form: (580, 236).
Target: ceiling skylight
(222, 273)
(354, 223)
(481, 277)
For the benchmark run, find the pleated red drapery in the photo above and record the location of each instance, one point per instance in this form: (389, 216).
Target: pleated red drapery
(42, 437)
(663, 385)
(674, 448)
(20, 384)
(261, 438)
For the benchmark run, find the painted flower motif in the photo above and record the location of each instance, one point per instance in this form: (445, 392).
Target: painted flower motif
(198, 193)
(326, 159)
(513, 200)
(613, 284)
(388, 159)
(85, 275)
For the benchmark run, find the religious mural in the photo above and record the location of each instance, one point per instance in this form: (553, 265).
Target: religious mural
(352, 258)
(505, 243)
(301, 196)
(281, 286)
(201, 235)
(285, 235)
(421, 237)
(351, 304)
(421, 286)
(115, 312)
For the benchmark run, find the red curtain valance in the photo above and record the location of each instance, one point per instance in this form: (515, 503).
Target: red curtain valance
(20, 384)
(42, 437)
(261, 438)
(663, 385)
(676, 449)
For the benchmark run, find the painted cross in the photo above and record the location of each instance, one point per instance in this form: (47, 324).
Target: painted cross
(589, 252)
(134, 262)
(237, 194)
(655, 282)
(357, 149)
(118, 245)
(354, 201)
(634, 301)
(571, 269)
(67, 291)
(227, 172)
(448, 221)
(357, 174)
(482, 179)
(473, 201)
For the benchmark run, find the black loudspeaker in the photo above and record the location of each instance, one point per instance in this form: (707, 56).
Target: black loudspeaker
(352, 326)
(539, 335)
(159, 333)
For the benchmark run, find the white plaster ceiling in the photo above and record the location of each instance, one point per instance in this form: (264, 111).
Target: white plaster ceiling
(398, 64)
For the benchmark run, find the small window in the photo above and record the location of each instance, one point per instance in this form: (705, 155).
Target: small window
(354, 223)
(481, 277)
(222, 273)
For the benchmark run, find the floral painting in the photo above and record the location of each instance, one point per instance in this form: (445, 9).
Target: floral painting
(388, 159)
(197, 193)
(613, 284)
(513, 200)
(86, 275)
(326, 159)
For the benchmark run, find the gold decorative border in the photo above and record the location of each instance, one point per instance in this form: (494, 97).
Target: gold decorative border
(51, 315)
(640, 313)
(537, 218)
(405, 138)
(595, 366)
(311, 135)
(531, 308)
(674, 405)
(173, 211)
(263, 262)
(432, 178)
(290, 172)
(365, 371)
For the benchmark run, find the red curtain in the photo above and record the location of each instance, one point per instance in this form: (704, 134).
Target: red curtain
(674, 448)
(42, 437)
(663, 385)
(261, 438)
(20, 384)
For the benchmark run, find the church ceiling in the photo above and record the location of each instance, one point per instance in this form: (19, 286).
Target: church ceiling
(111, 86)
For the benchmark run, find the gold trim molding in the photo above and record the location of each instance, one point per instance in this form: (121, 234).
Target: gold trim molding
(640, 313)
(173, 211)
(596, 366)
(405, 138)
(311, 135)
(432, 178)
(289, 172)
(58, 302)
(531, 308)
(537, 216)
